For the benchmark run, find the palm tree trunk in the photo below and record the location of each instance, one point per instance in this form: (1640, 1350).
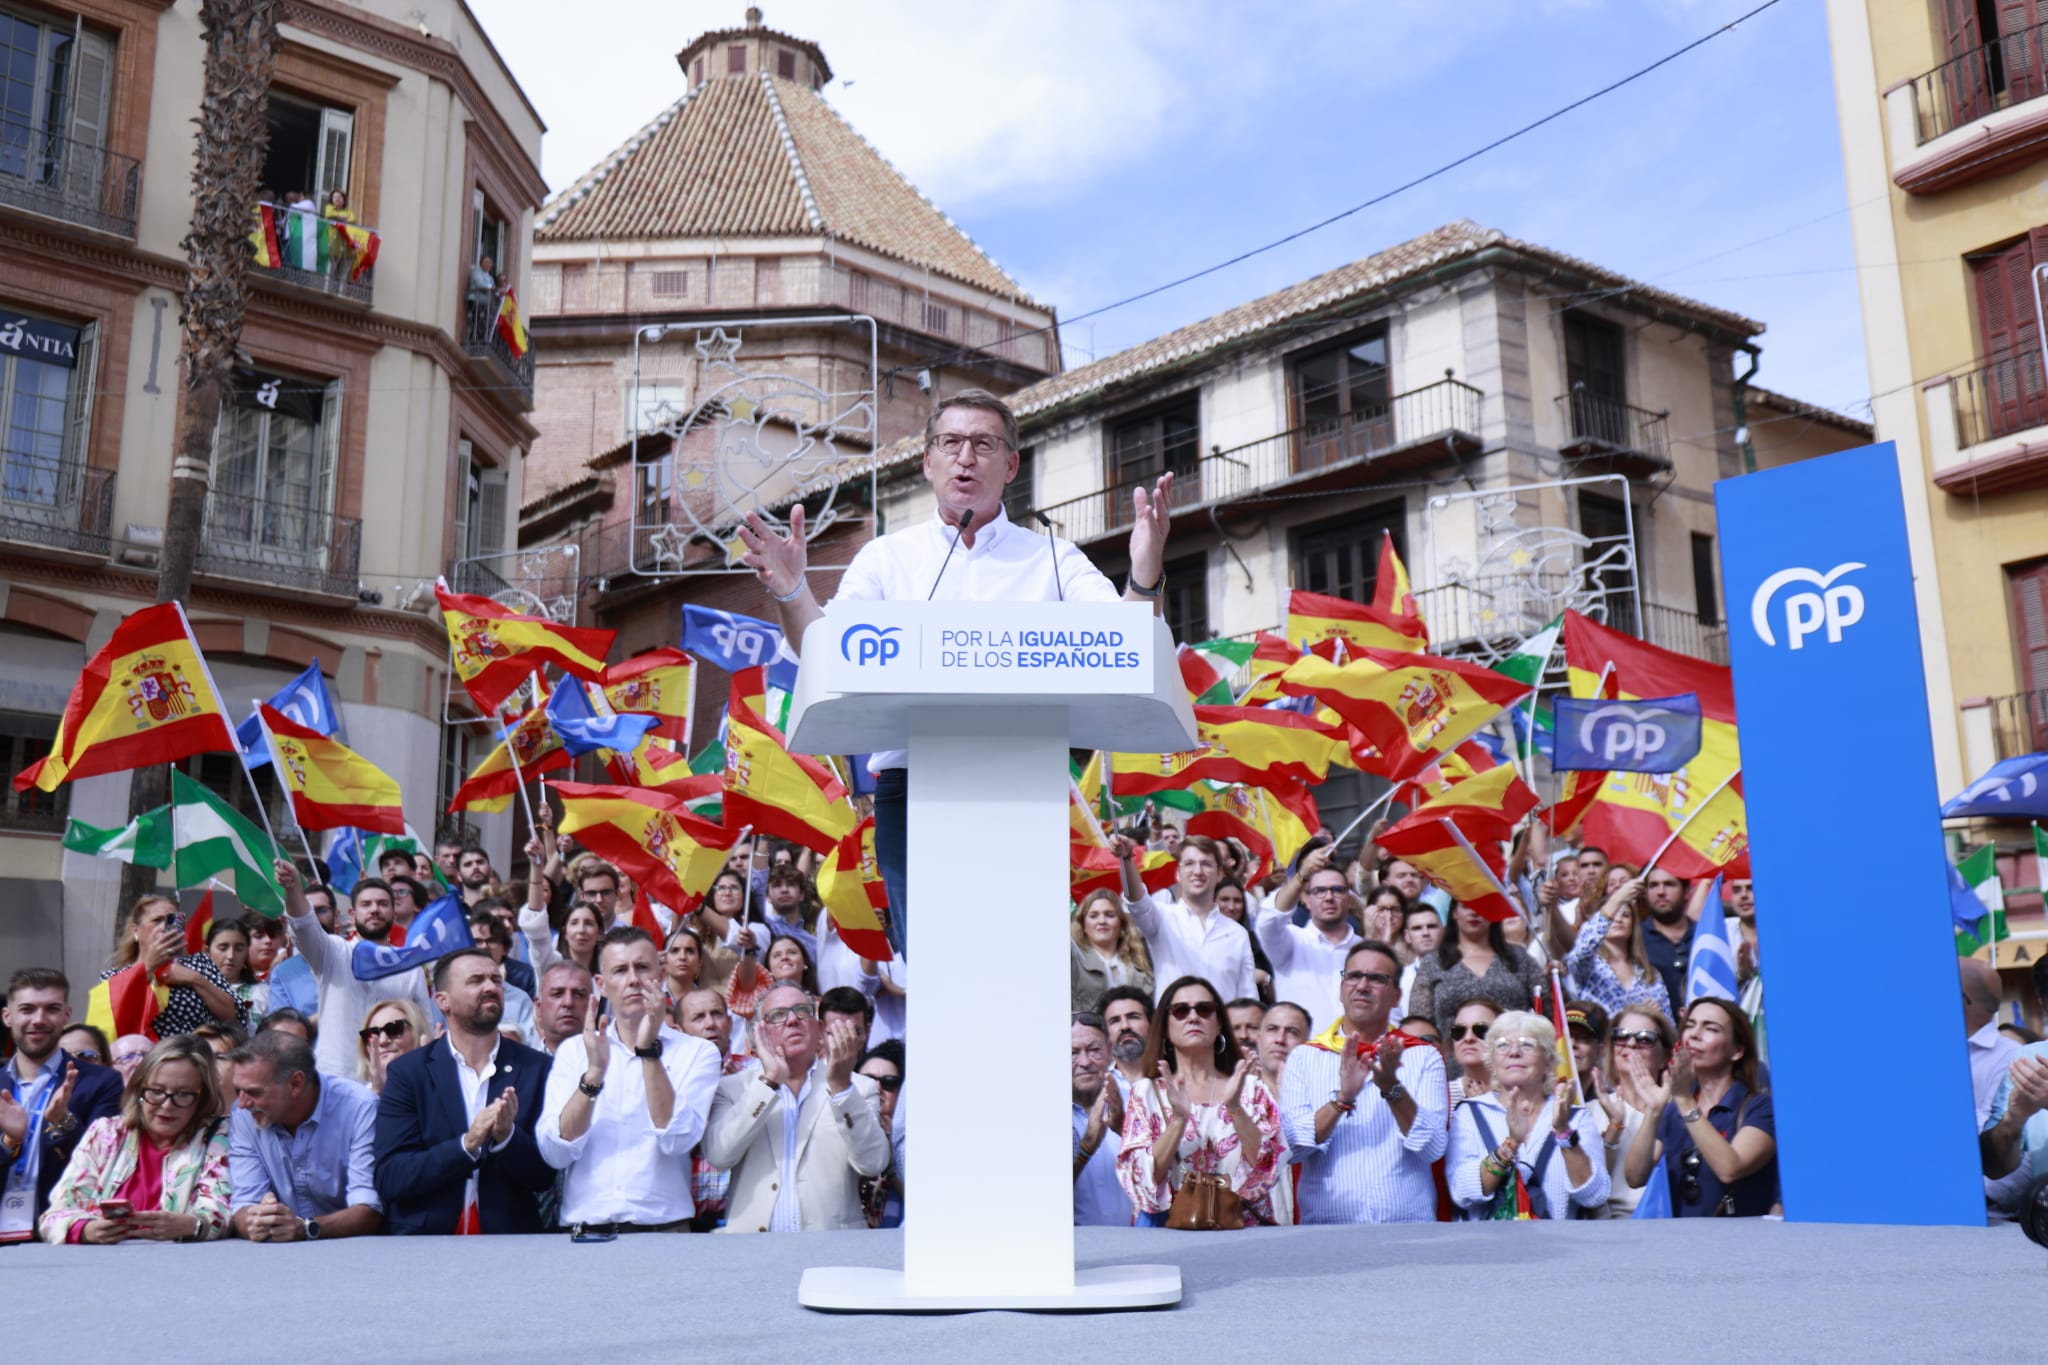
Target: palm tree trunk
(241, 55)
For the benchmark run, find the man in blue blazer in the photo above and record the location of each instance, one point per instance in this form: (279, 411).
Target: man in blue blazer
(455, 1148)
(47, 1097)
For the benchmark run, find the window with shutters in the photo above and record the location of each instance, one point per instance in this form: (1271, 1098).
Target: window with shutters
(1340, 557)
(1185, 601)
(46, 372)
(56, 92)
(2029, 592)
(2014, 396)
(1340, 398)
(24, 739)
(670, 284)
(311, 151)
(736, 60)
(785, 64)
(481, 517)
(938, 319)
(1706, 602)
(269, 497)
(1143, 447)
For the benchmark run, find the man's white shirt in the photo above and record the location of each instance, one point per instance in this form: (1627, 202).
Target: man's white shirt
(1305, 964)
(1214, 947)
(623, 1169)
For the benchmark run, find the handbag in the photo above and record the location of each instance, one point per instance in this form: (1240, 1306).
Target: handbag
(1205, 1203)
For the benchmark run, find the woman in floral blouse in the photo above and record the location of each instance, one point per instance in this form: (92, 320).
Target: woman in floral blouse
(165, 1156)
(1203, 1109)
(1609, 964)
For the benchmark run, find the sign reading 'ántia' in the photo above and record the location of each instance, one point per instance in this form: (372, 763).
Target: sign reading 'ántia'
(1014, 647)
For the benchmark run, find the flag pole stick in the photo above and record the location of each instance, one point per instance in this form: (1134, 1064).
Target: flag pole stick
(1665, 847)
(1363, 816)
(1564, 1044)
(277, 763)
(214, 688)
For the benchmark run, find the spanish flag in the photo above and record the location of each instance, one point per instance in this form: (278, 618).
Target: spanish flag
(1313, 619)
(361, 244)
(652, 764)
(1487, 805)
(1468, 760)
(1443, 853)
(1390, 591)
(659, 683)
(850, 884)
(1632, 814)
(495, 782)
(1095, 869)
(1223, 824)
(331, 785)
(1240, 744)
(790, 796)
(1271, 656)
(494, 647)
(1412, 708)
(126, 1002)
(145, 698)
(650, 836)
(267, 241)
(1285, 812)
(511, 326)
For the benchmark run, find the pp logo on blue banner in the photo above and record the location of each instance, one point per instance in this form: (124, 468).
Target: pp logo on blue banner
(865, 644)
(1835, 606)
(1654, 735)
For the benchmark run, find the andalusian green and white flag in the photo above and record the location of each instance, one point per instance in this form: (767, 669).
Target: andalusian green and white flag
(305, 240)
(376, 845)
(1979, 872)
(215, 840)
(1531, 721)
(1212, 664)
(144, 841)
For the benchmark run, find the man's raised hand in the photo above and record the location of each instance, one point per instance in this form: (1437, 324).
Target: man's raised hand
(778, 560)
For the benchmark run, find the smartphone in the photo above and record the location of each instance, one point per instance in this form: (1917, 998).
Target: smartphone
(593, 1236)
(116, 1209)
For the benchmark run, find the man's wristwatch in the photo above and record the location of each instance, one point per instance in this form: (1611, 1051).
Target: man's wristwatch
(650, 1053)
(311, 1227)
(1393, 1092)
(583, 1084)
(1153, 591)
(1691, 1115)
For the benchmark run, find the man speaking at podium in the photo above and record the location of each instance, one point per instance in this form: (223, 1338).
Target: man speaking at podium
(968, 552)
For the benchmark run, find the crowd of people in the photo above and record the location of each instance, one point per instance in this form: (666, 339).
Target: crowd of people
(1324, 1046)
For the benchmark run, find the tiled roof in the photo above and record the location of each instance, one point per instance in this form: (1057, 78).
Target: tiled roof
(764, 157)
(1794, 407)
(1394, 266)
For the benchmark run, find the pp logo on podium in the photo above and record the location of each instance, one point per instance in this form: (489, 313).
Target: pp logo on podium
(864, 644)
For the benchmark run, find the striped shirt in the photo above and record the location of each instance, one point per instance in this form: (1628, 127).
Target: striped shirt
(1367, 1170)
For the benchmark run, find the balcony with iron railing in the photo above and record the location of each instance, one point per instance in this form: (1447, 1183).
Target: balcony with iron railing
(63, 178)
(2008, 70)
(2019, 722)
(1628, 439)
(482, 340)
(55, 502)
(1410, 429)
(280, 544)
(315, 256)
(1999, 398)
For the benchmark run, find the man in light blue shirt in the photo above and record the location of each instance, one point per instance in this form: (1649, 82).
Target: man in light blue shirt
(2016, 1131)
(302, 1146)
(1099, 1198)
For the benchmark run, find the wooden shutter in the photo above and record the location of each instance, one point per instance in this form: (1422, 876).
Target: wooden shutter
(78, 421)
(2010, 337)
(92, 73)
(493, 487)
(1959, 26)
(465, 480)
(2030, 644)
(2019, 42)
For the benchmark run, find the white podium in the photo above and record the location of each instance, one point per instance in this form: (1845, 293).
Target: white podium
(987, 698)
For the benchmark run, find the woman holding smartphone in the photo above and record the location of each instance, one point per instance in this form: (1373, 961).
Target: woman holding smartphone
(158, 1170)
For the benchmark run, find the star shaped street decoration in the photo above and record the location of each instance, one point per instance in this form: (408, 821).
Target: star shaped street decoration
(668, 544)
(664, 416)
(696, 478)
(718, 348)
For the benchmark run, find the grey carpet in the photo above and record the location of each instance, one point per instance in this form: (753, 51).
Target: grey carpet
(1709, 1289)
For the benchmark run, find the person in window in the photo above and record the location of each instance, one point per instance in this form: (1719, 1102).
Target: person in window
(482, 296)
(337, 207)
(199, 992)
(1711, 1125)
(163, 1159)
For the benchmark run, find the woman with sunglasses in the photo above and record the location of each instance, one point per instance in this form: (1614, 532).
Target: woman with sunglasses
(1472, 1061)
(158, 1170)
(1202, 1110)
(882, 1195)
(1713, 1129)
(153, 941)
(1525, 1133)
(1641, 1033)
(392, 1029)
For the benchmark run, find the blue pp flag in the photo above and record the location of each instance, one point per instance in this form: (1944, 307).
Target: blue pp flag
(1653, 735)
(1710, 974)
(344, 859)
(1656, 1198)
(583, 731)
(2010, 787)
(304, 699)
(735, 643)
(1965, 907)
(1532, 735)
(434, 933)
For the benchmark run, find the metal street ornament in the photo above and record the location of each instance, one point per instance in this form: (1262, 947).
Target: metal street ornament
(752, 440)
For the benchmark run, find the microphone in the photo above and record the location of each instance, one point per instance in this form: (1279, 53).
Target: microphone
(1052, 549)
(966, 520)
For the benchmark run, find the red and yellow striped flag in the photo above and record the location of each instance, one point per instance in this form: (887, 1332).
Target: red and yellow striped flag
(660, 683)
(790, 796)
(1488, 805)
(331, 786)
(1390, 591)
(850, 884)
(1093, 869)
(1413, 708)
(494, 647)
(648, 835)
(145, 698)
(511, 326)
(361, 244)
(1241, 744)
(126, 1002)
(495, 782)
(266, 241)
(1470, 871)
(1313, 619)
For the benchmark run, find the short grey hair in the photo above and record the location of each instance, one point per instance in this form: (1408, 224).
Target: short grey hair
(1524, 1024)
(285, 1052)
(973, 398)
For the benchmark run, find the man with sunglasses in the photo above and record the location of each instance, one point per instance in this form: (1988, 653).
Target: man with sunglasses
(969, 551)
(799, 1133)
(1363, 1112)
(1307, 959)
(626, 1101)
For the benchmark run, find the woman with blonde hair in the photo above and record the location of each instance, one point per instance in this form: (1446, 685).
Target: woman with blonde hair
(153, 940)
(1640, 1032)
(158, 1170)
(391, 1029)
(1498, 1165)
(1108, 951)
(1609, 964)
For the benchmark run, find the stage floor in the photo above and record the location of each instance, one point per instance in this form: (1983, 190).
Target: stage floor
(1718, 1289)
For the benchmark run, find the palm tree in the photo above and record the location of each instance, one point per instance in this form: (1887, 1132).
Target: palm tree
(241, 55)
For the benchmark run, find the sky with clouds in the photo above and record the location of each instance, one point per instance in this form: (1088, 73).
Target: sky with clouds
(1096, 150)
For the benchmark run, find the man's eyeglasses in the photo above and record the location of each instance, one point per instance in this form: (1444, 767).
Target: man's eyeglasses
(1325, 891)
(176, 1099)
(1379, 979)
(892, 1084)
(1201, 1009)
(983, 446)
(778, 1017)
(394, 1030)
(128, 1058)
(1638, 1038)
(1460, 1032)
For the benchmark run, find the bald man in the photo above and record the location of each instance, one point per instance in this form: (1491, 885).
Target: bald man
(1991, 1052)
